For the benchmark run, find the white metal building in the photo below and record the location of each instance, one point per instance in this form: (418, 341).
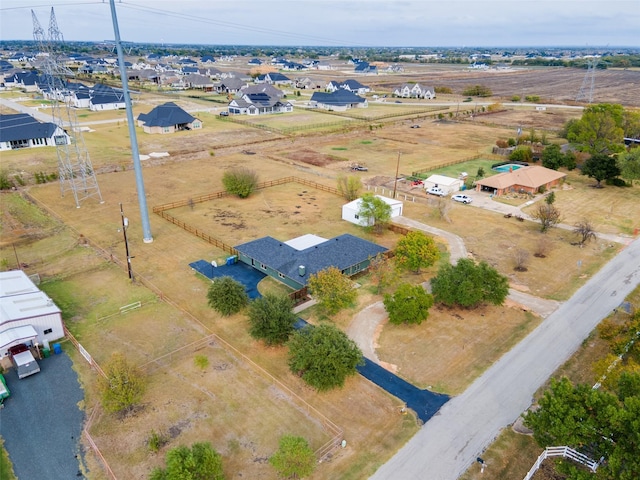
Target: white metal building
(448, 184)
(351, 209)
(27, 315)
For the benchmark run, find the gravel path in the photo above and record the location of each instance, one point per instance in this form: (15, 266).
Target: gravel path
(41, 422)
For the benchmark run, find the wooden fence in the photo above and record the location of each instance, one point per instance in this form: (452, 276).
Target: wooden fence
(565, 452)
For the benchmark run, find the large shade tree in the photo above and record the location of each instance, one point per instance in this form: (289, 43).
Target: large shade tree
(600, 130)
(332, 289)
(409, 304)
(600, 167)
(227, 296)
(416, 250)
(468, 284)
(271, 318)
(323, 356)
(294, 457)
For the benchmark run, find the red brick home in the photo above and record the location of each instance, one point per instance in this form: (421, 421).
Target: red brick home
(529, 179)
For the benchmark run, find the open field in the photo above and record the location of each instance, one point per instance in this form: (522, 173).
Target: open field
(232, 403)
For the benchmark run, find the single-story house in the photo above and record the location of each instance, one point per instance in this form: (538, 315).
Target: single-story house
(167, 118)
(529, 179)
(21, 130)
(447, 184)
(350, 211)
(294, 261)
(340, 100)
(27, 315)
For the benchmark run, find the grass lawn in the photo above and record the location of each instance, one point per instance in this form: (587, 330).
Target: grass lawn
(6, 469)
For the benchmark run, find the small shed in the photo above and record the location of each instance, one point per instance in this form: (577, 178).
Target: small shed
(448, 184)
(351, 209)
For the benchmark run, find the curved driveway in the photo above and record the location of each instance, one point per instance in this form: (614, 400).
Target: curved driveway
(451, 441)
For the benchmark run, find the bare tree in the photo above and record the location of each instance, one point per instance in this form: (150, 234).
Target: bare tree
(548, 216)
(543, 247)
(349, 187)
(442, 208)
(585, 230)
(520, 260)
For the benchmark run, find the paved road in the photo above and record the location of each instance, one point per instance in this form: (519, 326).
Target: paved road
(451, 441)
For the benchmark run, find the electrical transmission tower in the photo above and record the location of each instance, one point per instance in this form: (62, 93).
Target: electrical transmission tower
(74, 166)
(586, 91)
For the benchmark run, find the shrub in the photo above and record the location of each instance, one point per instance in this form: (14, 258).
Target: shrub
(502, 143)
(240, 181)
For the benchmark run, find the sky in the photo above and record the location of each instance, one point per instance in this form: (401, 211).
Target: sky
(358, 23)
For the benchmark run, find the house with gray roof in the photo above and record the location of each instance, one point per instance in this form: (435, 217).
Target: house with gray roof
(340, 100)
(21, 130)
(167, 118)
(294, 261)
(414, 90)
(274, 78)
(258, 104)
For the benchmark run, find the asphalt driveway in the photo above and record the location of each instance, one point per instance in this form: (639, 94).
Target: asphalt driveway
(41, 421)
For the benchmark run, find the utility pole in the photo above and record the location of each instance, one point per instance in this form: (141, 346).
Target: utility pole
(125, 225)
(395, 182)
(137, 166)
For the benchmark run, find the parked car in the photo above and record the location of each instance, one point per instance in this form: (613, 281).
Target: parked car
(436, 191)
(359, 168)
(415, 126)
(224, 114)
(462, 198)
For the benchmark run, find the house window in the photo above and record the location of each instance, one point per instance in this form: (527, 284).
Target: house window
(280, 275)
(357, 216)
(48, 330)
(60, 140)
(263, 266)
(166, 129)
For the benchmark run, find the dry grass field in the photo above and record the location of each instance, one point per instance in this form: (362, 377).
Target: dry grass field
(232, 403)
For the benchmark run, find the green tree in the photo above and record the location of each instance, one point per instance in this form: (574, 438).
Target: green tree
(271, 318)
(375, 211)
(416, 250)
(629, 164)
(469, 285)
(226, 296)
(600, 167)
(240, 181)
(547, 214)
(552, 157)
(477, 91)
(333, 290)
(599, 130)
(409, 304)
(124, 385)
(521, 154)
(200, 462)
(294, 458)
(323, 356)
(349, 186)
(607, 422)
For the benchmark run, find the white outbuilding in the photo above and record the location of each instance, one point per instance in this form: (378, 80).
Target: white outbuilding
(351, 209)
(448, 184)
(27, 315)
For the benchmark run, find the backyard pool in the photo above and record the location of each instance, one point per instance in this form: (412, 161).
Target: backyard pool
(507, 167)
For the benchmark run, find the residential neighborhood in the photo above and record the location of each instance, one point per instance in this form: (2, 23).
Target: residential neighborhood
(292, 259)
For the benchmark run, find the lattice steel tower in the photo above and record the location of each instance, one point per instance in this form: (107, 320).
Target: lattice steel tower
(74, 165)
(588, 83)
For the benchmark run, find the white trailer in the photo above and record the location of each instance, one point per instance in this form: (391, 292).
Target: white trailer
(25, 364)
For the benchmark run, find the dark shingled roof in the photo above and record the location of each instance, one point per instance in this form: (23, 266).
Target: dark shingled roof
(341, 252)
(166, 115)
(339, 97)
(22, 126)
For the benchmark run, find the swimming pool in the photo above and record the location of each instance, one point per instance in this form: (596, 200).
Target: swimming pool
(507, 167)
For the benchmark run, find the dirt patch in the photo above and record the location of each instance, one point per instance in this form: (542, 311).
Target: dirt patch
(312, 157)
